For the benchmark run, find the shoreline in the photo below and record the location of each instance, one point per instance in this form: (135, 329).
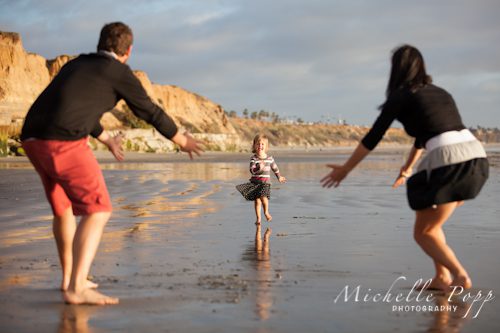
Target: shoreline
(284, 155)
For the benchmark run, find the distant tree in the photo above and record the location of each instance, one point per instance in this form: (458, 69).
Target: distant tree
(245, 113)
(232, 114)
(275, 117)
(300, 121)
(254, 115)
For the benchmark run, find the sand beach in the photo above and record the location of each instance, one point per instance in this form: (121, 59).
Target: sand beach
(183, 254)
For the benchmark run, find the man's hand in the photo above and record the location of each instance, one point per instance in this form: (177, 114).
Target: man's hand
(114, 144)
(188, 144)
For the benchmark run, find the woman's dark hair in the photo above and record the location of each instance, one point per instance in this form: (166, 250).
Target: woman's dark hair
(408, 70)
(115, 37)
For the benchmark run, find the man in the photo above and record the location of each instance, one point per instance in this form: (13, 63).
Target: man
(55, 135)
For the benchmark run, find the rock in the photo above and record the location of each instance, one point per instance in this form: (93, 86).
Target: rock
(23, 76)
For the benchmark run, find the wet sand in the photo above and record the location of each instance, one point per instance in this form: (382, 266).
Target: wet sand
(182, 253)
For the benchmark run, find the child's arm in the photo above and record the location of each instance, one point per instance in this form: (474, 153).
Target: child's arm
(255, 167)
(276, 171)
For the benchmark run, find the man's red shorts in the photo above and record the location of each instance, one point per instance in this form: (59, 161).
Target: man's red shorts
(70, 175)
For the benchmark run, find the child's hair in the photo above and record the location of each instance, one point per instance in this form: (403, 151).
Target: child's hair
(257, 138)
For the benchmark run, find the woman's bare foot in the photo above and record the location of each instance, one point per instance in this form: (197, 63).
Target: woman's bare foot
(90, 297)
(463, 281)
(441, 283)
(89, 284)
(268, 217)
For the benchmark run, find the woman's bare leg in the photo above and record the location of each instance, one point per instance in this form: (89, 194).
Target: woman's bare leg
(429, 235)
(443, 277)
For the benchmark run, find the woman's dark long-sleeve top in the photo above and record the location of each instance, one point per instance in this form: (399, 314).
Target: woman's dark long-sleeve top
(85, 88)
(425, 113)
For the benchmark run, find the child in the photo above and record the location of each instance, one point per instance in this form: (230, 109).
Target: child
(259, 187)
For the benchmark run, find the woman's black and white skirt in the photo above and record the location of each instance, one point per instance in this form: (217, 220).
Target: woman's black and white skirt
(252, 191)
(448, 173)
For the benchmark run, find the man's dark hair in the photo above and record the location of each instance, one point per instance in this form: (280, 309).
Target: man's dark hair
(115, 37)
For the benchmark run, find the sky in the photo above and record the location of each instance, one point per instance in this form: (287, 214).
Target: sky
(319, 60)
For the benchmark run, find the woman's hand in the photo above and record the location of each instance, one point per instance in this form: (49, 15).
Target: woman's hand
(282, 179)
(338, 173)
(404, 173)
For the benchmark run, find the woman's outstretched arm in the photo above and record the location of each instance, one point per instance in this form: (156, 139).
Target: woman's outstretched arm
(339, 172)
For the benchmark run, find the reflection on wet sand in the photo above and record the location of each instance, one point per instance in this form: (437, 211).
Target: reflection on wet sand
(259, 256)
(75, 318)
(448, 321)
(186, 171)
(162, 209)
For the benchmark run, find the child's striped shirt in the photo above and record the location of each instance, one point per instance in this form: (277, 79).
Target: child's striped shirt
(261, 169)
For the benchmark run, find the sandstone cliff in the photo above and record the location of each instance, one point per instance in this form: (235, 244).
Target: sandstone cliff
(23, 76)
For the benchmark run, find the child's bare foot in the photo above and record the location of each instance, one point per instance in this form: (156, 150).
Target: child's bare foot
(267, 234)
(88, 284)
(90, 297)
(268, 217)
(463, 281)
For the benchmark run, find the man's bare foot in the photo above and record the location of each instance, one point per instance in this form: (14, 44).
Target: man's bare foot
(462, 281)
(90, 297)
(268, 217)
(257, 222)
(89, 284)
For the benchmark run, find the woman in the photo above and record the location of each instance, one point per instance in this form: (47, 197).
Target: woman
(454, 169)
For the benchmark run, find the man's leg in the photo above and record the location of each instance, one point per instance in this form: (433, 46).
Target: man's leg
(85, 243)
(64, 228)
